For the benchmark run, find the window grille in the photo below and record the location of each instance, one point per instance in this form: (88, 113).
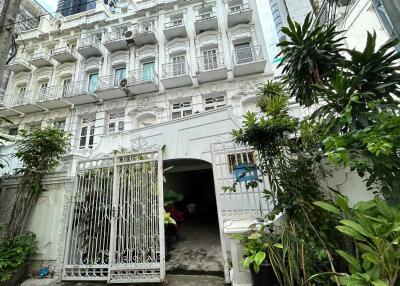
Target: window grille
(181, 109)
(214, 102)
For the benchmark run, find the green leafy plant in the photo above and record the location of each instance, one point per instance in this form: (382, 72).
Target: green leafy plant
(374, 228)
(14, 254)
(255, 244)
(40, 152)
(168, 219)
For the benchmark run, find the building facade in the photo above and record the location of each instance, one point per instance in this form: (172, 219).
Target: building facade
(171, 75)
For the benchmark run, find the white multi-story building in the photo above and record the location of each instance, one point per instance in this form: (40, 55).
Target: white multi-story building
(169, 75)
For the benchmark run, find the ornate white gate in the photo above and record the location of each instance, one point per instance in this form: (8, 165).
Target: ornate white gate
(116, 223)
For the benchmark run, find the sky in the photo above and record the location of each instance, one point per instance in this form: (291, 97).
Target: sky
(49, 5)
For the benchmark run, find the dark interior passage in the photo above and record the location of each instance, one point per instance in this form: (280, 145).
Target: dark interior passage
(196, 246)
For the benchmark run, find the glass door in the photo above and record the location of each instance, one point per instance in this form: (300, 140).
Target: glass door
(210, 59)
(93, 82)
(119, 75)
(243, 53)
(65, 86)
(148, 71)
(178, 63)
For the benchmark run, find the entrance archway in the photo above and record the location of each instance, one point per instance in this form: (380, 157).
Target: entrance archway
(196, 245)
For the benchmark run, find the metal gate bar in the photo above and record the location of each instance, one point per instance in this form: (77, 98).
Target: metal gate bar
(116, 223)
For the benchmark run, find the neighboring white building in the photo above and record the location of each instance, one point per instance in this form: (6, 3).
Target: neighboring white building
(173, 73)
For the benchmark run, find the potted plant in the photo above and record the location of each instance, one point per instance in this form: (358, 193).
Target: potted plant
(255, 255)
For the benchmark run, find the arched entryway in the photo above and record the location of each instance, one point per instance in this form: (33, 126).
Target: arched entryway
(196, 247)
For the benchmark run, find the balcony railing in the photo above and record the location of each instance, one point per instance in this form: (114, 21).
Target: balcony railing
(211, 62)
(174, 23)
(205, 16)
(20, 98)
(78, 88)
(62, 50)
(144, 75)
(22, 59)
(171, 70)
(247, 55)
(89, 41)
(239, 8)
(40, 55)
(145, 28)
(52, 92)
(114, 35)
(110, 81)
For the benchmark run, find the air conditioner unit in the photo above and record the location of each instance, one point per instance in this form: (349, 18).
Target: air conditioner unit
(123, 83)
(128, 36)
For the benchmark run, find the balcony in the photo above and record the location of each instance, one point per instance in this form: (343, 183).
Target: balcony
(176, 75)
(142, 81)
(89, 46)
(39, 60)
(205, 22)
(144, 33)
(19, 64)
(24, 102)
(53, 97)
(239, 14)
(63, 54)
(109, 87)
(175, 29)
(115, 40)
(211, 68)
(79, 93)
(248, 61)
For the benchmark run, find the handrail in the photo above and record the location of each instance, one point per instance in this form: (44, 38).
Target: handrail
(238, 8)
(247, 55)
(142, 75)
(205, 16)
(174, 23)
(175, 69)
(61, 50)
(211, 62)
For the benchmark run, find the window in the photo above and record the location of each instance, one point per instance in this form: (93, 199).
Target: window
(60, 124)
(43, 89)
(240, 158)
(205, 15)
(181, 109)
(243, 53)
(148, 71)
(210, 59)
(214, 102)
(179, 65)
(176, 22)
(87, 133)
(93, 82)
(119, 74)
(66, 83)
(13, 131)
(116, 122)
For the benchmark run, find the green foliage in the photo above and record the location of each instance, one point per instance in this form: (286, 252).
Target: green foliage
(14, 254)
(310, 55)
(374, 226)
(168, 219)
(41, 149)
(255, 244)
(171, 197)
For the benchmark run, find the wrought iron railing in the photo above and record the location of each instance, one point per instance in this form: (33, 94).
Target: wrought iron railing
(77, 88)
(174, 23)
(211, 62)
(239, 8)
(22, 59)
(144, 75)
(89, 41)
(175, 69)
(51, 93)
(40, 55)
(114, 35)
(62, 50)
(247, 55)
(144, 28)
(110, 81)
(205, 16)
(20, 98)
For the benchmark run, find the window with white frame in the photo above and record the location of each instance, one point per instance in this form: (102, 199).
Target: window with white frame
(212, 102)
(210, 59)
(116, 122)
(181, 109)
(179, 64)
(22, 90)
(43, 88)
(240, 158)
(66, 83)
(86, 137)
